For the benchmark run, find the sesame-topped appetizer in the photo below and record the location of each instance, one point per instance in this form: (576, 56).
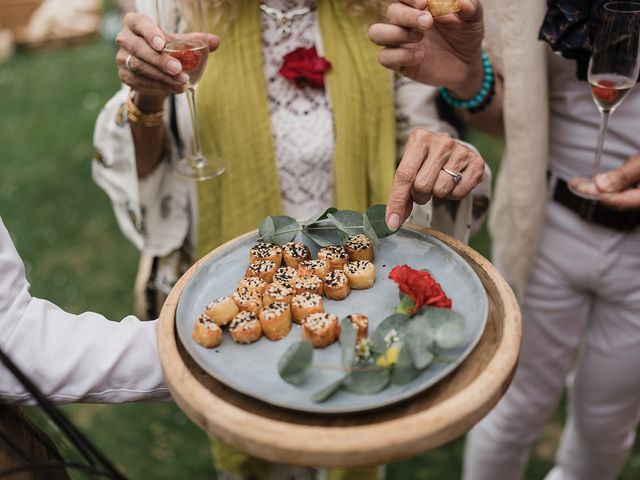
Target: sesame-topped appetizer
(275, 320)
(265, 269)
(321, 329)
(318, 267)
(206, 332)
(295, 252)
(266, 251)
(336, 255)
(304, 304)
(308, 283)
(222, 310)
(245, 328)
(247, 300)
(359, 247)
(285, 275)
(278, 292)
(336, 285)
(253, 283)
(361, 274)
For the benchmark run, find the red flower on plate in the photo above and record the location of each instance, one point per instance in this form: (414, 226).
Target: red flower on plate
(420, 286)
(305, 67)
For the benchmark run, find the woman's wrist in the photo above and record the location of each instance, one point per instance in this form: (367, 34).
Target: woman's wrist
(472, 83)
(148, 103)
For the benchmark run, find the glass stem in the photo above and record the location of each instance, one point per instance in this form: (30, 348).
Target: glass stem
(604, 120)
(197, 149)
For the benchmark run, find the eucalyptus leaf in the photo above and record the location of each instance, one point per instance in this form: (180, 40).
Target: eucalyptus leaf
(320, 216)
(376, 215)
(286, 229)
(370, 233)
(404, 370)
(328, 391)
(397, 322)
(347, 342)
(349, 222)
(447, 327)
(367, 381)
(295, 362)
(450, 335)
(420, 342)
(267, 229)
(320, 236)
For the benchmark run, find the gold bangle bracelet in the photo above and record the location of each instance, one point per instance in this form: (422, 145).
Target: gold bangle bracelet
(137, 116)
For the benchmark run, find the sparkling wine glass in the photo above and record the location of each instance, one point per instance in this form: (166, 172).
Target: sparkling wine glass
(184, 25)
(613, 69)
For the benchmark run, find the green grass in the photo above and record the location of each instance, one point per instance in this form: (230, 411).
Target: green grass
(65, 230)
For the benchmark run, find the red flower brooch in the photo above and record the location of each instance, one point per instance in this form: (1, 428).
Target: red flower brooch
(420, 287)
(305, 67)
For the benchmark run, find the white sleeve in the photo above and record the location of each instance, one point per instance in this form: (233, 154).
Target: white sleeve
(71, 358)
(152, 212)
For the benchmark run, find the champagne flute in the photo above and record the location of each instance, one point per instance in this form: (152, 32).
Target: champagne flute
(613, 69)
(184, 25)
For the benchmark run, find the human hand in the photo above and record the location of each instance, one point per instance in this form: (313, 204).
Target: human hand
(151, 72)
(619, 188)
(420, 174)
(442, 51)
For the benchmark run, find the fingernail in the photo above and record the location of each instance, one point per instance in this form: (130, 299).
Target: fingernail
(174, 66)
(394, 221)
(604, 183)
(157, 42)
(183, 78)
(418, 55)
(424, 21)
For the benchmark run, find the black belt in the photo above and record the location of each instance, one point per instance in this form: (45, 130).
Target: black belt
(595, 212)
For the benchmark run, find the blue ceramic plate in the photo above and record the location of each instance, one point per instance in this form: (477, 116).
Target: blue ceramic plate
(252, 369)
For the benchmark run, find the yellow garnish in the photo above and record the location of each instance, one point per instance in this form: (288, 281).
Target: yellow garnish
(388, 358)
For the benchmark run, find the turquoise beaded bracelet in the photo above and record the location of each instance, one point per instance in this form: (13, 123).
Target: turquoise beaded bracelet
(484, 97)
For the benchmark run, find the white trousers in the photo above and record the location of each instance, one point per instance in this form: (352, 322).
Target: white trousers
(581, 315)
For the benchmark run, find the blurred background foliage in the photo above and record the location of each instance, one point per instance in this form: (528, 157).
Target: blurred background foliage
(65, 230)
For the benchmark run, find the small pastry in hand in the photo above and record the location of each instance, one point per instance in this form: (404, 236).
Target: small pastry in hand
(443, 7)
(278, 292)
(336, 255)
(264, 269)
(206, 332)
(361, 323)
(245, 328)
(247, 300)
(359, 247)
(275, 320)
(266, 251)
(253, 283)
(308, 283)
(319, 268)
(361, 274)
(295, 252)
(304, 304)
(336, 285)
(321, 329)
(285, 275)
(221, 310)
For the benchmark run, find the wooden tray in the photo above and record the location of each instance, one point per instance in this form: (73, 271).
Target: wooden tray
(424, 422)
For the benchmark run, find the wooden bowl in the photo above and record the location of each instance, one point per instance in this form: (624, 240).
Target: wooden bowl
(424, 422)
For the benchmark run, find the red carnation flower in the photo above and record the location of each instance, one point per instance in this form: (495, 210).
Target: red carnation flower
(305, 67)
(420, 286)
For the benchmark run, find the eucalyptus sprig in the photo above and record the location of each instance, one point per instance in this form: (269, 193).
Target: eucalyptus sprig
(402, 347)
(330, 227)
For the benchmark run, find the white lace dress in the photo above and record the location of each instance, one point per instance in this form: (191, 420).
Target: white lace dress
(155, 212)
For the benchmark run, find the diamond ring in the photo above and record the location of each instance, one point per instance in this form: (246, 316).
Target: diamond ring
(457, 176)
